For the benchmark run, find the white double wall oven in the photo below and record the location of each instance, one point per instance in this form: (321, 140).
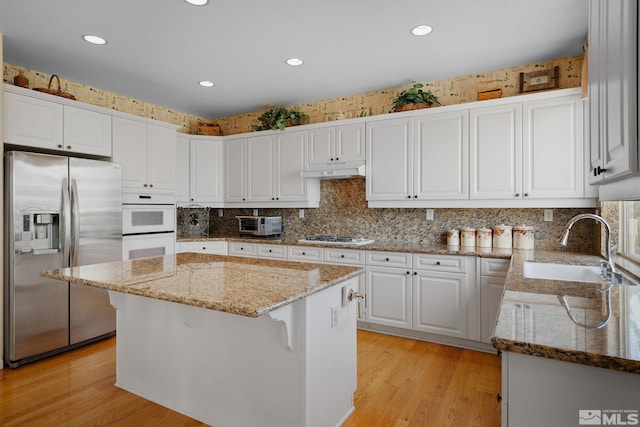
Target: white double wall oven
(148, 225)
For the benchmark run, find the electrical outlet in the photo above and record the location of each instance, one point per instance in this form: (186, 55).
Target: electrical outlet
(255, 212)
(429, 214)
(334, 316)
(548, 215)
(301, 213)
(220, 213)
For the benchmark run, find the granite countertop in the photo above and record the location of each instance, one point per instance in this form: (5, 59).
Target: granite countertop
(378, 245)
(533, 321)
(246, 286)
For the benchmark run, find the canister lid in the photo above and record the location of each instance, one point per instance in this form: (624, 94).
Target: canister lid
(468, 229)
(523, 228)
(483, 230)
(502, 227)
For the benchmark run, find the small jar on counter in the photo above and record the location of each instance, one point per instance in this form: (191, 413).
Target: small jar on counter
(502, 237)
(483, 237)
(453, 237)
(523, 237)
(468, 237)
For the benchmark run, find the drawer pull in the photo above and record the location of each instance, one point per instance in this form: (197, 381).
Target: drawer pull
(304, 253)
(408, 272)
(386, 259)
(437, 262)
(415, 273)
(341, 256)
(204, 248)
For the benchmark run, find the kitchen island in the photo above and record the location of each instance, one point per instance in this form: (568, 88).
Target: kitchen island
(233, 341)
(570, 349)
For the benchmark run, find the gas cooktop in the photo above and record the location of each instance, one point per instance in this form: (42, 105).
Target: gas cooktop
(339, 240)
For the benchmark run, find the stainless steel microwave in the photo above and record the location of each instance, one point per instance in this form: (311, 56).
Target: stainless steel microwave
(260, 225)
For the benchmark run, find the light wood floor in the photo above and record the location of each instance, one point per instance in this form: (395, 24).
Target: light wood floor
(401, 382)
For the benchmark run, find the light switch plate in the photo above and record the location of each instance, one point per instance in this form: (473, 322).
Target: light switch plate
(548, 215)
(255, 212)
(220, 213)
(429, 214)
(301, 213)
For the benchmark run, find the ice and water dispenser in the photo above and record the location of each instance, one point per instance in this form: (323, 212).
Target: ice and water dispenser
(40, 233)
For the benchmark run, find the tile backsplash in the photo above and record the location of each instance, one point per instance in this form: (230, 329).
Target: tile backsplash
(343, 211)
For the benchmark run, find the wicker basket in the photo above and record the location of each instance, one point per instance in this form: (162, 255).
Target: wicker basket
(409, 107)
(210, 129)
(56, 92)
(490, 89)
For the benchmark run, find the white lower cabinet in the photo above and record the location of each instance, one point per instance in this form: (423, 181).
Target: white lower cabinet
(442, 294)
(243, 249)
(271, 251)
(305, 253)
(389, 297)
(354, 258)
(204, 247)
(492, 273)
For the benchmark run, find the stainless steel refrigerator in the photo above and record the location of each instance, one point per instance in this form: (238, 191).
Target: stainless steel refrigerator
(59, 212)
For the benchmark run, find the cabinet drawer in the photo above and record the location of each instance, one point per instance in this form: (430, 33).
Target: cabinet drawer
(272, 251)
(219, 248)
(242, 249)
(451, 263)
(344, 256)
(305, 253)
(389, 259)
(494, 267)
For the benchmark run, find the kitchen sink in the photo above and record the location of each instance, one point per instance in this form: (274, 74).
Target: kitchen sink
(565, 272)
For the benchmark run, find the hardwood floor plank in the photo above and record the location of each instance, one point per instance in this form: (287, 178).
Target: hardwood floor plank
(401, 382)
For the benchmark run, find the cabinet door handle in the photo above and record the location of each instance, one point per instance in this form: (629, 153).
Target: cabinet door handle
(408, 197)
(150, 185)
(337, 158)
(415, 196)
(517, 195)
(415, 273)
(526, 194)
(598, 171)
(499, 397)
(145, 185)
(408, 272)
(332, 159)
(60, 146)
(68, 147)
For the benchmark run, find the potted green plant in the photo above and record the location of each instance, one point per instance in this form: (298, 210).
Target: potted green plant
(414, 98)
(278, 118)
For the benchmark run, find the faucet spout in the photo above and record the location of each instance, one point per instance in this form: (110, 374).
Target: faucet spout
(564, 237)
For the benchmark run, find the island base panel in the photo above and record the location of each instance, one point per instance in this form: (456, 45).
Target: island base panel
(295, 367)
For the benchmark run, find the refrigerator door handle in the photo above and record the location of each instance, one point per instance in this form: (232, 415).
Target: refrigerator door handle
(75, 223)
(65, 223)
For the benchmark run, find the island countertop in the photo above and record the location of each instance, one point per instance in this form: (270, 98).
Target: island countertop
(245, 286)
(533, 321)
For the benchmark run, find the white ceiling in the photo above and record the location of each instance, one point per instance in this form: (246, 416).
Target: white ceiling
(158, 50)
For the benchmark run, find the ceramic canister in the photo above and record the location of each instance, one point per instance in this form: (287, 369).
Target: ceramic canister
(483, 237)
(468, 237)
(453, 237)
(523, 237)
(502, 236)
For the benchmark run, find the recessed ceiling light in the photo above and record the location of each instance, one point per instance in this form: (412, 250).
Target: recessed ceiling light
(421, 30)
(295, 62)
(206, 83)
(197, 2)
(94, 39)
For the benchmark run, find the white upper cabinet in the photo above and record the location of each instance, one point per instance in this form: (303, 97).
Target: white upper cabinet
(613, 56)
(147, 153)
(199, 176)
(266, 171)
(235, 170)
(40, 123)
(553, 148)
(441, 156)
(389, 173)
(496, 152)
(336, 144)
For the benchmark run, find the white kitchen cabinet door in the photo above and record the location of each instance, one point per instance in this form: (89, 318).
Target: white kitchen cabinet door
(389, 297)
(161, 158)
(291, 157)
(205, 177)
(87, 132)
(182, 168)
(243, 249)
(491, 289)
(350, 143)
(389, 151)
(147, 153)
(440, 303)
(130, 150)
(305, 253)
(32, 122)
(235, 170)
(343, 143)
(441, 156)
(321, 146)
(271, 251)
(553, 148)
(613, 56)
(261, 168)
(496, 152)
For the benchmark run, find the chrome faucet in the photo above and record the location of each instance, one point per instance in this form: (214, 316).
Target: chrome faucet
(610, 271)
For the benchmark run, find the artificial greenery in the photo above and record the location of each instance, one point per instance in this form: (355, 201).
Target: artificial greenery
(415, 95)
(278, 118)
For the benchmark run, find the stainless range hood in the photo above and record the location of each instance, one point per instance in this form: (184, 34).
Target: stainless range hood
(335, 172)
